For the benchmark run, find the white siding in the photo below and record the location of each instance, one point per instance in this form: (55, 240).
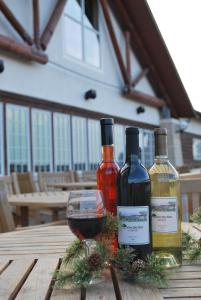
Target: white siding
(66, 80)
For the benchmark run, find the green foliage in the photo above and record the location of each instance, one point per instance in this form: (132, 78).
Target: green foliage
(73, 252)
(111, 225)
(196, 217)
(153, 273)
(123, 262)
(191, 248)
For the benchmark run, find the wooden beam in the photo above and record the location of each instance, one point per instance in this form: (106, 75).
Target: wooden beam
(128, 57)
(141, 49)
(146, 99)
(104, 5)
(21, 50)
(36, 23)
(52, 23)
(15, 23)
(142, 74)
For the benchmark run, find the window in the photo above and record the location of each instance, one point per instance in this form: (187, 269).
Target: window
(1, 140)
(79, 135)
(94, 143)
(196, 149)
(147, 147)
(119, 143)
(42, 140)
(62, 142)
(82, 37)
(18, 152)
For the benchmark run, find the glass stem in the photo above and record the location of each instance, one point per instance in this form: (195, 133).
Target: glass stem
(87, 246)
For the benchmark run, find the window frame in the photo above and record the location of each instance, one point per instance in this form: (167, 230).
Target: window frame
(98, 33)
(26, 109)
(48, 112)
(55, 114)
(196, 157)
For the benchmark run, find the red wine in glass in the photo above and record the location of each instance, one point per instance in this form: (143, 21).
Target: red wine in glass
(86, 227)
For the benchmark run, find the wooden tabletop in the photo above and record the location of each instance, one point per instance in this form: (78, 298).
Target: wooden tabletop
(29, 257)
(73, 185)
(41, 200)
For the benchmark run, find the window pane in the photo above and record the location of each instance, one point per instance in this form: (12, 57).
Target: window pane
(73, 9)
(1, 139)
(17, 122)
(79, 133)
(73, 38)
(119, 142)
(92, 48)
(62, 142)
(42, 140)
(196, 149)
(91, 14)
(94, 139)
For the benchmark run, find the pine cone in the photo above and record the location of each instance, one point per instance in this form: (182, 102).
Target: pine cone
(95, 261)
(138, 265)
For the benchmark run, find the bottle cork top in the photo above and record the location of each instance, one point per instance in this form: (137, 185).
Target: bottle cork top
(160, 131)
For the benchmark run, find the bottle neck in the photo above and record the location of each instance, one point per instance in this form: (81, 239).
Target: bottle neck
(108, 153)
(161, 152)
(160, 159)
(133, 159)
(132, 149)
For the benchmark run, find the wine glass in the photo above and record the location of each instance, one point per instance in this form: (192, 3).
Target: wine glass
(86, 215)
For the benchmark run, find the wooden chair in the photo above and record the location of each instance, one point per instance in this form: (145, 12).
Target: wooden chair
(23, 183)
(86, 176)
(46, 178)
(190, 195)
(6, 218)
(7, 184)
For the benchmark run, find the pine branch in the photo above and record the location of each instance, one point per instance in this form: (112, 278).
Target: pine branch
(73, 252)
(196, 217)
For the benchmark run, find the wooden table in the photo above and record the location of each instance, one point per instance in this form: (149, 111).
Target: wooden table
(48, 200)
(28, 259)
(73, 185)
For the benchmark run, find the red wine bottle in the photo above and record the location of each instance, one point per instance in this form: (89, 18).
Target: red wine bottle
(108, 169)
(134, 193)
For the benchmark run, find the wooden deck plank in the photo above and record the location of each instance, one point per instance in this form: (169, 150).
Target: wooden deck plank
(37, 285)
(181, 292)
(185, 275)
(64, 294)
(188, 268)
(185, 283)
(13, 277)
(136, 292)
(3, 264)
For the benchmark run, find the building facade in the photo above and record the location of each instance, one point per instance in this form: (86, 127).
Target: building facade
(46, 122)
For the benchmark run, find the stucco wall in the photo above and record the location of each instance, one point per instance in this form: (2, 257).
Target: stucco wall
(65, 80)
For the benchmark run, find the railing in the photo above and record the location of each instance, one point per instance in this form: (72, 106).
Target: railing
(190, 194)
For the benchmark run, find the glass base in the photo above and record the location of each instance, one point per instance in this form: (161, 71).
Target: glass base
(169, 257)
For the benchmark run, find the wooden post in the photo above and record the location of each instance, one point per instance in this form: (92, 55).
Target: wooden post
(137, 79)
(52, 23)
(114, 41)
(36, 23)
(15, 23)
(21, 50)
(128, 58)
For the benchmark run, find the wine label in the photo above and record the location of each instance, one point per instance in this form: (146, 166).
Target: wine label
(164, 214)
(133, 225)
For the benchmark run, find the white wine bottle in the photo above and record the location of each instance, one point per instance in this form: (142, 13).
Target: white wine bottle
(165, 204)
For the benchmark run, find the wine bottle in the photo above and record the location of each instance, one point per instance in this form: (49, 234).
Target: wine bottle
(134, 192)
(108, 169)
(165, 202)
